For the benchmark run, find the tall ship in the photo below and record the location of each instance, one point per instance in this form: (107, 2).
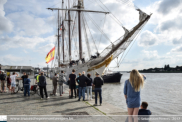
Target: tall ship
(76, 47)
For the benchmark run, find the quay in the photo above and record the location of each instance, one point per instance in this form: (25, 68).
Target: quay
(17, 104)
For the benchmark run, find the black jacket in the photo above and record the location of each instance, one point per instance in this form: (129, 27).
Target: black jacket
(98, 82)
(42, 81)
(90, 82)
(83, 80)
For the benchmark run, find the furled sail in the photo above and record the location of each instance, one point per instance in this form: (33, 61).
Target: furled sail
(123, 42)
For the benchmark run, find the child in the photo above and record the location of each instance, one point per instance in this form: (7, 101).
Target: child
(143, 110)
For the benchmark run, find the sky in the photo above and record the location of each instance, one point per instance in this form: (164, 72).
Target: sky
(28, 29)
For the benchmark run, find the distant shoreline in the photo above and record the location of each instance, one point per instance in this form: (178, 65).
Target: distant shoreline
(161, 72)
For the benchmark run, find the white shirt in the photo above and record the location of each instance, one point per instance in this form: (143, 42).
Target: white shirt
(13, 78)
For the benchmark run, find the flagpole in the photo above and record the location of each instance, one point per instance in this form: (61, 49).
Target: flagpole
(58, 42)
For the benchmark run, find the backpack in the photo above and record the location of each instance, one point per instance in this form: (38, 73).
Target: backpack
(62, 79)
(2, 77)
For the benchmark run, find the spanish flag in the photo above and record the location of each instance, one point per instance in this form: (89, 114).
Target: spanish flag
(50, 55)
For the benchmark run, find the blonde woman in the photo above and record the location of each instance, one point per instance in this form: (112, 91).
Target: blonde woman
(132, 89)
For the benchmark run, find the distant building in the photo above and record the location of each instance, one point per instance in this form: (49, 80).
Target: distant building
(20, 69)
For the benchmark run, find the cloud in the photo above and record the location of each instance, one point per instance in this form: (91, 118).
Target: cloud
(11, 60)
(29, 25)
(177, 41)
(147, 38)
(153, 55)
(168, 5)
(5, 24)
(172, 24)
(18, 41)
(177, 49)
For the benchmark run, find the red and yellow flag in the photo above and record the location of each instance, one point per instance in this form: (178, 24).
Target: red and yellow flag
(50, 55)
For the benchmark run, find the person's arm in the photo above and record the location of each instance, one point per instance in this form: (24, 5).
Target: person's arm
(125, 90)
(94, 82)
(102, 81)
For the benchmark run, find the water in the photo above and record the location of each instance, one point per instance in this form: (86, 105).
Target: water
(162, 91)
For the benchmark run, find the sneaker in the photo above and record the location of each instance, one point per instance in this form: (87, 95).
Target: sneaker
(95, 105)
(78, 99)
(47, 97)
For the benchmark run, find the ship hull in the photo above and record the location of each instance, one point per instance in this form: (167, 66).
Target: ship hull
(112, 78)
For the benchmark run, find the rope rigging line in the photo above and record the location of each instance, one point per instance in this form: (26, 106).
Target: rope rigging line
(98, 28)
(102, 30)
(86, 38)
(55, 4)
(90, 32)
(112, 14)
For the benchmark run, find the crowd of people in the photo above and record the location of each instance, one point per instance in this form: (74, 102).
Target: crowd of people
(79, 85)
(11, 82)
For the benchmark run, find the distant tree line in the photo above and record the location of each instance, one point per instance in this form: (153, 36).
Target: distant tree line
(166, 68)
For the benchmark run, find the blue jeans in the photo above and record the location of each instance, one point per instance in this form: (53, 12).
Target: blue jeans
(98, 90)
(82, 92)
(89, 90)
(26, 89)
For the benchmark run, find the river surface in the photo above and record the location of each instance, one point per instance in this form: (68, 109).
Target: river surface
(162, 91)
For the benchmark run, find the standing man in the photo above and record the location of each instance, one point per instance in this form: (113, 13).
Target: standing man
(54, 82)
(98, 82)
(3, 84)
(37, 78)
(26, 86)
(72, 78)
(23, 80)
(13, 82)
(42, 85)
(83, 80)
(62, 79)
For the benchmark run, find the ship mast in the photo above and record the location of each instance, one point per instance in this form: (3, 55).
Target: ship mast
(69, 24)
(58, 43)
(79, 9)
(80, 5)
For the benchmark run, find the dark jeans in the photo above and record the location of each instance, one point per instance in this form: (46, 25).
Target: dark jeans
(41, 91)
(26, 89)
(82, 92)
(54, 90)
(98, 90)
(73, 87)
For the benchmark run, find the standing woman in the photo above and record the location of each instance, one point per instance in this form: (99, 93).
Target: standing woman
(89, 87)
(132, 89)
(9, 83)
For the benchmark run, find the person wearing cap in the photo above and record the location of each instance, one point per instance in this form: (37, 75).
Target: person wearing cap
(3, 85)
(98, 82)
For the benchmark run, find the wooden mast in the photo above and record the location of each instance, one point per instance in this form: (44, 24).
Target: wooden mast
(80, 5)
(69, 26)
(58, 42)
